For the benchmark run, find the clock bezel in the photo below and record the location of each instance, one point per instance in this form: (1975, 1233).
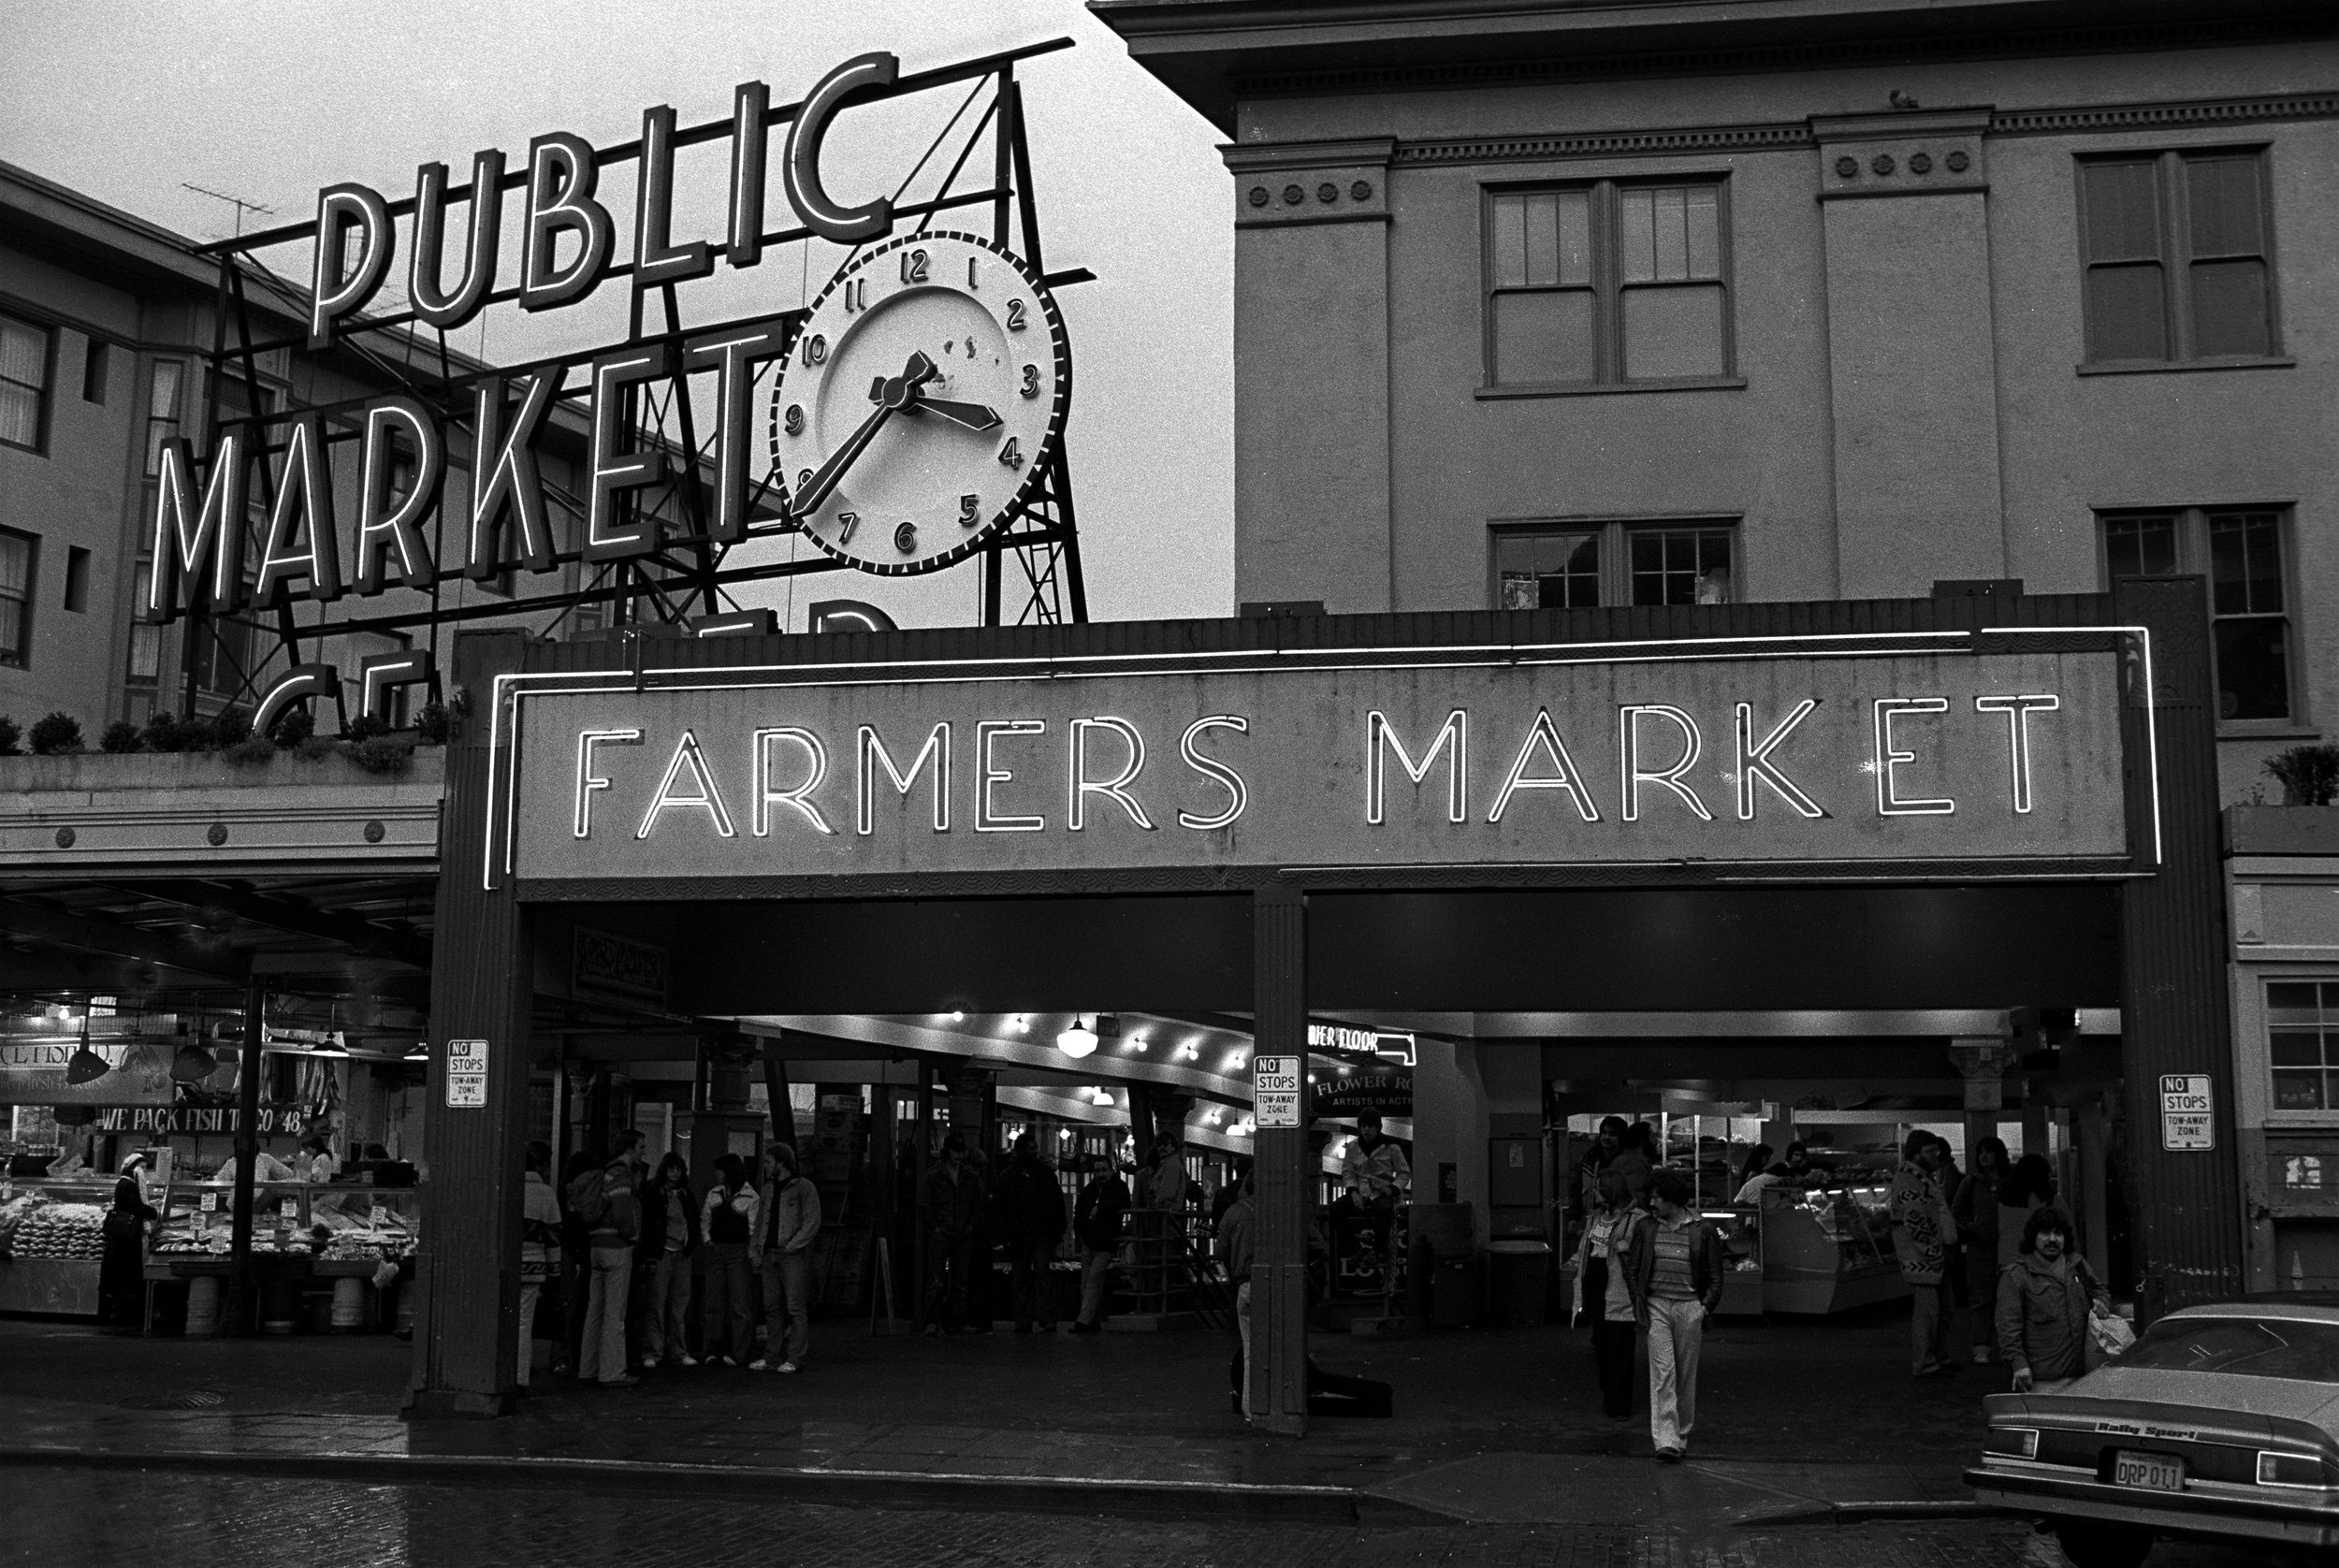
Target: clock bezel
(1036, 462)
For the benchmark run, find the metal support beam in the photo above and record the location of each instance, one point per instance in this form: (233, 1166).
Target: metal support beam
(292, 915)
(1278, 1373)
(88, 934)
(247, 1161)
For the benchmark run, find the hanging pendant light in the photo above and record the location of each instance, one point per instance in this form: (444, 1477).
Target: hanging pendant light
(1077, 1041)
(192, 1064)
(86, 1065)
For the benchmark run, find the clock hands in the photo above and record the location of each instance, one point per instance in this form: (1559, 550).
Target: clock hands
(892, 394)
(972, 416)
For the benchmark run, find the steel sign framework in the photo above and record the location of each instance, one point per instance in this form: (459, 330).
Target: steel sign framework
(674, 481)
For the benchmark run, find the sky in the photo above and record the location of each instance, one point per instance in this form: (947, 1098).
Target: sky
(272, 101)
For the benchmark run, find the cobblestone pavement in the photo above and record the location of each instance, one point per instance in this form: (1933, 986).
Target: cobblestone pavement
(65, 1519)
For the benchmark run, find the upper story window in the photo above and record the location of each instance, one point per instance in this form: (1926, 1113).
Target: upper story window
(16, 598)
(162, 411)
(2302, 1044)
(1574, 566)
(2243, 553)
(23, 382)
(1607, 286)
(2177, 250)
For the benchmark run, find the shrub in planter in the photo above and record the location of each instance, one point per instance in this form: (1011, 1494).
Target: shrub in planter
(164, 733)
(56, 734)
(2309, 775)
(249, 751)
(432, 724)
(118, 737)
(233, 724)
(8, 733)
(382, 754)
(366, 726)
(292, 727)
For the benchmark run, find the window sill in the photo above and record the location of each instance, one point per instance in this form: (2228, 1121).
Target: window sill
(2169, 367)
(1602, 389)
(2267, 729)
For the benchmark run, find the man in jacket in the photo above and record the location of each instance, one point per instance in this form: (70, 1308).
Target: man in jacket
(1377, 1176)
(614, 1223)
(1235, 1249)
(1030, 1209)
(1097, 1226)
(1922, 1233)
(2044, 1300)
(784, 1257)
(1673, 1273)
(951, 1206)
(728, 1218)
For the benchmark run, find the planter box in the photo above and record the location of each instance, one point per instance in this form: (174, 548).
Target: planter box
(2282, 830)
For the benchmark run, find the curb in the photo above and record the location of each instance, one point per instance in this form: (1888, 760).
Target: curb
(1870, 1511)
(885, 1488)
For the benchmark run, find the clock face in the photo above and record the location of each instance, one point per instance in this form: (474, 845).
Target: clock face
(920, 402)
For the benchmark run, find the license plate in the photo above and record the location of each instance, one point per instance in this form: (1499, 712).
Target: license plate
(2154, 1472)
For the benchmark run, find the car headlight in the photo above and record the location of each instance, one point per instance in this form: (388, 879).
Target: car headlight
(2021, 1443)
(2289, 1469)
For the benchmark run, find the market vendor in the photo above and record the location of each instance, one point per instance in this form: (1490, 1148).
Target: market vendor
(270, 1170)
(122, 1267)
(315, 1161)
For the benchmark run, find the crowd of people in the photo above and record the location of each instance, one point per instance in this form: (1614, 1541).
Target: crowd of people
(1989, 1243)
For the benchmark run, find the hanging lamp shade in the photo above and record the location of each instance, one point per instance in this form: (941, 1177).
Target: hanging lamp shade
(1077, 1041)
(85, 1066)
(192, 1064)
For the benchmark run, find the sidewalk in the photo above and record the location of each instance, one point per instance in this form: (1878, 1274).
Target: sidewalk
(1797, 1421)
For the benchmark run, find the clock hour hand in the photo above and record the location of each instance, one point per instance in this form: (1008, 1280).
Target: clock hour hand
(972, 416)
(895, 393)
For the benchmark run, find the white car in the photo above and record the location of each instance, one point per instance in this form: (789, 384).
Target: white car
(2220, 1423)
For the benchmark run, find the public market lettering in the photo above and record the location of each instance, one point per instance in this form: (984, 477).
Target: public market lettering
(569, 246)
(1000, 776)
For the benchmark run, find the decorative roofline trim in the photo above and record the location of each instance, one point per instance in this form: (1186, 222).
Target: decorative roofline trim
(1756, 138)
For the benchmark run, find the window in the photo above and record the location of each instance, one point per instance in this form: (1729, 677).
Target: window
(24, 382)
(77, 579)
(17, 552)
(2302, 1040)
(2177, 255)
(2241, 551)
(1572, 566)
(146, 638)
(162, 411)
(93, 367)
(1607, 284)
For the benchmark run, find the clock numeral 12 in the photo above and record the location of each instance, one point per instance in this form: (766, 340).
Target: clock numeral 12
(846, 523)
(969, 510)
(905, 538)
(1011, 453)
(913, 267)
(1015, 316)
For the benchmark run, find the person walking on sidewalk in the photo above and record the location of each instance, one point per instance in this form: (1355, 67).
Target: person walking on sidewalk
(1676, 1263)
(1030, 1209)
(1096, 1217)
(951, 1206)
(604, 1199)
(1603, 1289)
(540, 1249)
(1923, 1232)
(1234, 1247)
(783, 1258)
(1375, 1170)
(1973, 1205)
(670, 1239)
(2044, 1300)
(728, 1217)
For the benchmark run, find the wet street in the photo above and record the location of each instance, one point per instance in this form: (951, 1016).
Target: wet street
(66, 1518)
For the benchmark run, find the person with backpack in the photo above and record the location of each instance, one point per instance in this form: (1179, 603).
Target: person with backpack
(727, 1330)
(783, 1257)
(670, 1236)
(604, 1200)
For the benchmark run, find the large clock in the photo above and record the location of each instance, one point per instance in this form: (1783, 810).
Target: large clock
(922, 397)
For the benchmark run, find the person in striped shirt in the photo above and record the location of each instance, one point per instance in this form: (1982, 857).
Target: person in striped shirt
(1675, 1272)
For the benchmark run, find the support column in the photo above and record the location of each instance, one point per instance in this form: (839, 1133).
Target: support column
(482, 988)
(2174, 1019)
(1282, 1188)
(246, 1163)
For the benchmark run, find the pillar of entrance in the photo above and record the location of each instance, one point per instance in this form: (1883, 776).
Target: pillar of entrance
(1282, 1195)
(475, 1136)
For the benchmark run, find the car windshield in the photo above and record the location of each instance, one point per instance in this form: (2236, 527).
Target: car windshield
(2245, 1346)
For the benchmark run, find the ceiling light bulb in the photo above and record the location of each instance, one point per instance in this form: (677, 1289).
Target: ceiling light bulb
(958, 1018)
(1078, 1040)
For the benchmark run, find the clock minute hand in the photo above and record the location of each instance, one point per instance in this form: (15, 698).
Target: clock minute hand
(972, 416)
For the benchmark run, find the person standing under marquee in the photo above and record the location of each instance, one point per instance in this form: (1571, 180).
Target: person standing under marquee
(1676, 1272)
(1376, 1171)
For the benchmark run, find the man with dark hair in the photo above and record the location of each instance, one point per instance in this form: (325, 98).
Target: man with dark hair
(783, 1257)
(2044, 1300)
(1235, 1250)
(1096, 1217)
(1675, 1274)
(1923, 1232)
(1030, 1209)
(1378, 1178)
(951, 1206)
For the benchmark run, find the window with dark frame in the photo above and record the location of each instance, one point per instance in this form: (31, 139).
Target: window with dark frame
(23, 382)
(2303, 1043)
(146, 637)
(95, 363)
(77, 579)
(1573, 566)
(2177, 257)
(1607, 283)
(162, 411)
(2241, 550)
(19, 553)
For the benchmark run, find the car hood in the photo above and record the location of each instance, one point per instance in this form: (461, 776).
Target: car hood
(2211, 1393)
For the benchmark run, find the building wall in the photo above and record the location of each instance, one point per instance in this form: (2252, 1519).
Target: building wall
(1912, 406)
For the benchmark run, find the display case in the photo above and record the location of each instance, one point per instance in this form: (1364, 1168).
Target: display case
(52, 1241)
(1740, 1228)
(329, 1221)
(1827, 1249)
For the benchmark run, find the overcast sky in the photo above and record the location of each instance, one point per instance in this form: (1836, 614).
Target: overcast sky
(272, 101)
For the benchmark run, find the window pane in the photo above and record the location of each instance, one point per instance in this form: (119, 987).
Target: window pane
(2246, 564)
(15, 565)
(2295, 1048)
(2253, 668)
(1545, 336)
(1637, 235)
(2290, 1002)
(2229, 308)
(1681, 566)
(2222, 201)
(163, 401)
(1673, 332)
(23, 353)
(2139, 546)
(2123, 211)
(1510, 241)
(2299, 1091)
(2127, 314)
(1543, 241)
(20, 415)
(1574, 210)
(12, 632)
(1705, 231)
